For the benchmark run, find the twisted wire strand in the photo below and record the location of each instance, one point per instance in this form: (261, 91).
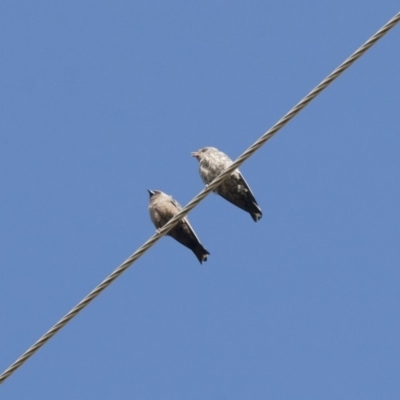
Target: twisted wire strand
(196, 200)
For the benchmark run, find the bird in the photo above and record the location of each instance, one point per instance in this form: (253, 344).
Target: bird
(162, 208)
(234, 188)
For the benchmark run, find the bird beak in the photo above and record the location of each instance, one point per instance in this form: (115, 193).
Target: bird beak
(196, 154)
(151, 193)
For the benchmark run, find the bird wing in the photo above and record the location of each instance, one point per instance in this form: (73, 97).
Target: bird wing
(237, 191)
(243, 182)
(185, 221)
(176, 204)
(191, 230)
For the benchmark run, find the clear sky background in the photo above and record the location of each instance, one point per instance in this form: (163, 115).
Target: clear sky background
(100, 101)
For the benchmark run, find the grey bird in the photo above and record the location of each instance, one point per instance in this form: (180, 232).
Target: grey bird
(234, 188)
(162, 208)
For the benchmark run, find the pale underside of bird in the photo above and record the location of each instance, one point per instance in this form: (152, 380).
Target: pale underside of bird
(234, 188)
(162, 208)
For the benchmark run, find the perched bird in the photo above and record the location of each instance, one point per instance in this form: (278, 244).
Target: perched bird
(162, 208)
(234, 188)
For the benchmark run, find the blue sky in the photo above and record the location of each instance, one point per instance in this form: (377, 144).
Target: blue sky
(102, 100)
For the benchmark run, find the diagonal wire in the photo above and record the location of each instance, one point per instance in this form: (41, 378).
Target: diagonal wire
(205, 192)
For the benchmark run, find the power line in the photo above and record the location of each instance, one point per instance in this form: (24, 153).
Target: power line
(196, 200)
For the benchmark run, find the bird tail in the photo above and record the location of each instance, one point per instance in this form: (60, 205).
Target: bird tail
(255, 212)
(201, 253)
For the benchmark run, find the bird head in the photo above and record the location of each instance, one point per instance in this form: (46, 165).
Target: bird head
(153, 192)
(202, 152)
